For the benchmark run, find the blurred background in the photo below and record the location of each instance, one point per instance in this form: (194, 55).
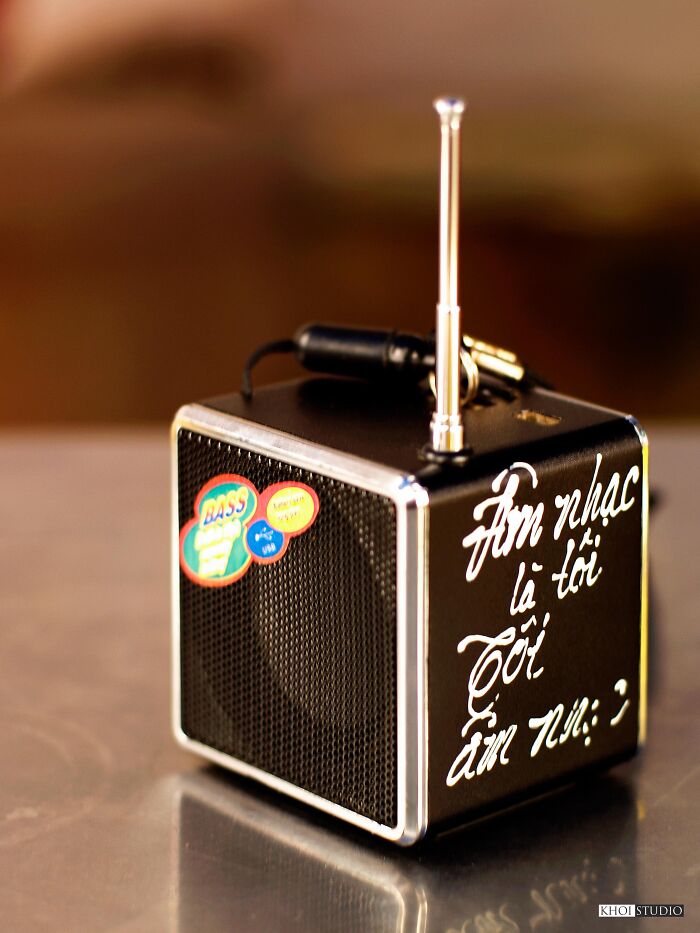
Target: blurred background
(181, 181)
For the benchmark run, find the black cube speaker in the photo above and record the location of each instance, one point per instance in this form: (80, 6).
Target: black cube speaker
(402, 635)
(437, 641)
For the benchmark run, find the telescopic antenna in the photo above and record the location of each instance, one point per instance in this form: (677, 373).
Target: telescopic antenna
(446, 428)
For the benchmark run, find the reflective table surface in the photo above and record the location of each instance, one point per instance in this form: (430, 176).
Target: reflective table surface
(105, 825)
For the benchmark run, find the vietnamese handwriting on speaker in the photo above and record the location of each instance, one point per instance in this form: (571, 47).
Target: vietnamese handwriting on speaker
(497, 661)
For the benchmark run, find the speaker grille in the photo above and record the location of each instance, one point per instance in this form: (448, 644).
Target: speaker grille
(292, 668)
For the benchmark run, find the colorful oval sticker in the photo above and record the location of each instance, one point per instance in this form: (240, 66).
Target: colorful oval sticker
(290, 507)
(233, 526)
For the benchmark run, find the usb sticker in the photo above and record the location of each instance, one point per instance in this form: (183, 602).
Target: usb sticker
(234, 525)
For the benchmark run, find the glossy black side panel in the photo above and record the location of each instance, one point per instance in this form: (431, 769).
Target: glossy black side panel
(534, 638)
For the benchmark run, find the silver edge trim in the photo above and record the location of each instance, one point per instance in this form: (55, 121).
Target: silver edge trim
(644, 585)
(411, 502)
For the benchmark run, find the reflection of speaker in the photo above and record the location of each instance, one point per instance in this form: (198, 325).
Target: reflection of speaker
(329, 640)
(244, 862)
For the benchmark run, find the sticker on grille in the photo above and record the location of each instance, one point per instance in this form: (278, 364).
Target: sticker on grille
(292, 668)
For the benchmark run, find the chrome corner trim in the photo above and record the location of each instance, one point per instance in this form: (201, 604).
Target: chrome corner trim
(412, 646)
(644, 585)
(411, 502)
(282, 446)
(175, 697)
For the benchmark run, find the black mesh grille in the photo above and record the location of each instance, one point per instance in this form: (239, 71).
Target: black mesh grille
(292, 668)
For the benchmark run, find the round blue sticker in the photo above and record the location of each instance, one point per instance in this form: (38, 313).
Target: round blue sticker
(264, 542)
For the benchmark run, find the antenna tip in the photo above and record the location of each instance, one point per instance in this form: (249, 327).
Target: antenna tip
(449, 108)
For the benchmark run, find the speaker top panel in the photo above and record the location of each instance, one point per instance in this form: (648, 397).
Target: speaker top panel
(389, 426)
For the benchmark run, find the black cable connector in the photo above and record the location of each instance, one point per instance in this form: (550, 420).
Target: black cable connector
(360, 353)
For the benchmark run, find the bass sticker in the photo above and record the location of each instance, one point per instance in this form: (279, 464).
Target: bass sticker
(234, 525)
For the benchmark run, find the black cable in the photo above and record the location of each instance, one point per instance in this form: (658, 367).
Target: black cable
(274, 346)
(364, 353)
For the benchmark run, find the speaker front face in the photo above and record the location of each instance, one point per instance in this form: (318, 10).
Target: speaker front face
(298, 619)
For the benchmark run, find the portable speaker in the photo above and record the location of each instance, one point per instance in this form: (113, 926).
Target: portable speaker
(400, 634)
